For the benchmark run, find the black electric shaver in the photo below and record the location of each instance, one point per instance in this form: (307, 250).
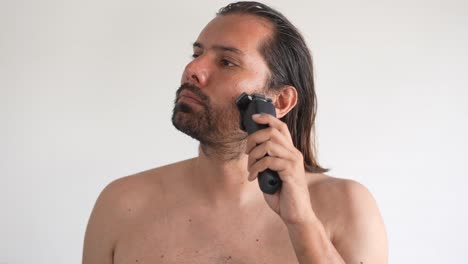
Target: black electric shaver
(248, 105)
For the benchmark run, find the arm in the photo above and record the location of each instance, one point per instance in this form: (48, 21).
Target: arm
(99, 236)
(360, 239)
(360, 236)
(312, 244)
(292, 203)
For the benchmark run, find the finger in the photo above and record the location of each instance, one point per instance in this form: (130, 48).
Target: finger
(274, 122)
(264, 135)
(266, 149)
(273, 163)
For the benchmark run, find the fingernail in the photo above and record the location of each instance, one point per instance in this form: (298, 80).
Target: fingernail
(256, 115)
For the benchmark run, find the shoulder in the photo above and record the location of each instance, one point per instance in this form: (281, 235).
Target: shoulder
(120, 204)
(132, 193)
(344, 200)
(344, 192)
(354, 217)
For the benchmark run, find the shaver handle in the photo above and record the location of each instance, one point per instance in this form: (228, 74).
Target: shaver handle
(268, 180)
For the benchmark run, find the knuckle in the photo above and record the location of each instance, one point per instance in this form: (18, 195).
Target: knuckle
(270, 130)
(250, 145)
(266, 160)
(276, 133)
(250, 160)
(284, 126)
(299, 154)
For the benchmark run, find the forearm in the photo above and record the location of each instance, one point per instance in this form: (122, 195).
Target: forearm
(312, 244)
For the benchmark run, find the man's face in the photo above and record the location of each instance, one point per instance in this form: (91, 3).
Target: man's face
(226, 63)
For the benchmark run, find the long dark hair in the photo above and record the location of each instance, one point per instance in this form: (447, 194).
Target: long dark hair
(290, 63)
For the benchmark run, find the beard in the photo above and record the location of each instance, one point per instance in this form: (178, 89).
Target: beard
(217, 128)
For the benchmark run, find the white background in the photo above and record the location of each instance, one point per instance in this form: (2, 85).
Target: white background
(87, 89)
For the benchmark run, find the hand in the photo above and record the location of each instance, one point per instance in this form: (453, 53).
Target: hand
(273, 148)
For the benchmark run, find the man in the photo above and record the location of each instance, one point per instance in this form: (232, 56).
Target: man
(210, 209)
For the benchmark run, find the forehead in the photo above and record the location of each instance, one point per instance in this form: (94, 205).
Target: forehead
(244, 32)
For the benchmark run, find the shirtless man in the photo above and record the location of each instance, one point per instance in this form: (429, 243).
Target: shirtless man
(209, 209)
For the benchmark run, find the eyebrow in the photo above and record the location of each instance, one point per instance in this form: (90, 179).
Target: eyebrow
(220, 47)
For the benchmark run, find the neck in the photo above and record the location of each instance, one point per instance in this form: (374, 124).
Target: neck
(222, 178)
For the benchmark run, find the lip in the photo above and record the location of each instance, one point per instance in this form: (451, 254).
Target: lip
(189, 96)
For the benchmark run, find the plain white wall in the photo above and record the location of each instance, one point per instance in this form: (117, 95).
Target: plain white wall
(87, 89)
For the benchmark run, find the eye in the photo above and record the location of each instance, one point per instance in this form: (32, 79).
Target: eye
(227, 63)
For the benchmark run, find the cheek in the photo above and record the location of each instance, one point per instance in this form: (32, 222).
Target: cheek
(254, 82)
(230, 87)
(230, 94)
(249, 86)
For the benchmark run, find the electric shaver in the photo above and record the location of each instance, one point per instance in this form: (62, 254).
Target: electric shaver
(248, 105)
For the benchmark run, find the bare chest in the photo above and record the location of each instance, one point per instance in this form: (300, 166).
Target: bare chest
(206, 241)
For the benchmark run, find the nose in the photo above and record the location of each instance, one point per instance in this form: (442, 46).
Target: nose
(197, 72)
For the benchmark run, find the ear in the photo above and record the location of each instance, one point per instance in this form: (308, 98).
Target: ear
(284, 100)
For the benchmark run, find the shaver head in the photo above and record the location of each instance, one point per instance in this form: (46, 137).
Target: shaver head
(260, 97)
(244, 101)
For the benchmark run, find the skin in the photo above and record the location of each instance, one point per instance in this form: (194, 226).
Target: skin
(209, 210)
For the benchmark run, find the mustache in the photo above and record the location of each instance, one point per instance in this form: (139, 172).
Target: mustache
(195, 90)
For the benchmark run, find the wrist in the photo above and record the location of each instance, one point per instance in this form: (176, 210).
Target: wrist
(301, 221)
(304, 225)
